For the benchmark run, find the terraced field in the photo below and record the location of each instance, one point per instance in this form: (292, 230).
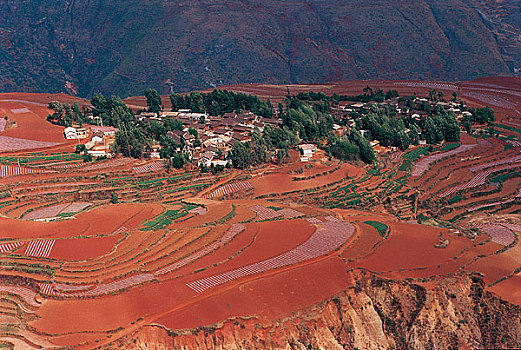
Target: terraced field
(243, 243)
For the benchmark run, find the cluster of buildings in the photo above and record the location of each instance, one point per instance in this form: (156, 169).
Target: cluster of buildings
(344, 111)
(102, 137)
(214, 136)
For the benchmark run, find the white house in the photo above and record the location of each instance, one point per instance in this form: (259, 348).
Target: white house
(75, 133)
(205, 159)
(307, 150)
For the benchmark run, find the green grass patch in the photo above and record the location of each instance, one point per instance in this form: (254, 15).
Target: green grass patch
(66, 215)
(501, 178)
(382, 228)
(3, 204)
(185, 188)
(412, 156)
(455, 199)
(275, 208)
(449, 146)
(165, 219)
(509, 128)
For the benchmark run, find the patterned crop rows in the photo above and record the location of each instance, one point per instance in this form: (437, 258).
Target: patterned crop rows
(15, 144)
(62, 166)
(117, 285)
(26, 294)
(10, 246)
(71, 288)
(120, 230)
(76, 206)
(25, 309)
(329, 236)
(513, 143)
(429, 85)
(20, 110)
(13, 170)
(229, 188)
(46, 288)
(198, 211)
(53, 210)
(150, 167)
(314, 221)
(500, 234)
(515, 159)
(476, 181)
(422, 166)
(513, 227)
(110, 164)
(228, 236)
(490, 205)
(264, 213)
(290, 213)
(40, 248)
(45, 212)
(490, 99)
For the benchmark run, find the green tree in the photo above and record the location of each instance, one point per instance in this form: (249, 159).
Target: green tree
(432, 133)
(153, 100)
(114, 198)
(178, 160)
(241, 157)
(454, 97)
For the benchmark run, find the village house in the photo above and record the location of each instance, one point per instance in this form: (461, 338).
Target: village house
(105, 130)
(307, 151)
(72, 133)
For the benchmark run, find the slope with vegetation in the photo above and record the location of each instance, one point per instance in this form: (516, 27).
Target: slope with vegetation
(123, 47)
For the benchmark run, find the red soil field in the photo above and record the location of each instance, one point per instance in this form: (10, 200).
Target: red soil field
(272, 239)
(219, 256)
(408, 251)
(280, 182)
(104, 220)
(364, 244)
(83, 248)
(509, 289)
(411, 246)
(268, 297)
(494, 267)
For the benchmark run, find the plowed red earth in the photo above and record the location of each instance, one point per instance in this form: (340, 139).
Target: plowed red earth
(104, 220)
(83, 248)
(271, 239)
(88, 241)
(280, 182)
(412, 246)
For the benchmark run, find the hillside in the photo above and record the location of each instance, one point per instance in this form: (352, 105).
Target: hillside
(419, 250)
(122, 47)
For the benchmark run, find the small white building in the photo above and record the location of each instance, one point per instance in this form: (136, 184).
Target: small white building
(106, 130)
(205, 159)
(99, 153)
(307, 150)
(75, 133)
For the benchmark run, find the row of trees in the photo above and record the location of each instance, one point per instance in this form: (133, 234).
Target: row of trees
(67, 115)
(353, 147)
(482, 115)
(442, 126)
(368, 95)
(383, 125)
(219, 102)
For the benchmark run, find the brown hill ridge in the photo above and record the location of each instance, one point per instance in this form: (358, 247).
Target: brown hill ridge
(123, 47)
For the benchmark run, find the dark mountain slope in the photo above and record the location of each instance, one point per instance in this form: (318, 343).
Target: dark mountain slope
(123, 46)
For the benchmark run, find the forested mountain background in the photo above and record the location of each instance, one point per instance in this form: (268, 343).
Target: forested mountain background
(124, 46)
